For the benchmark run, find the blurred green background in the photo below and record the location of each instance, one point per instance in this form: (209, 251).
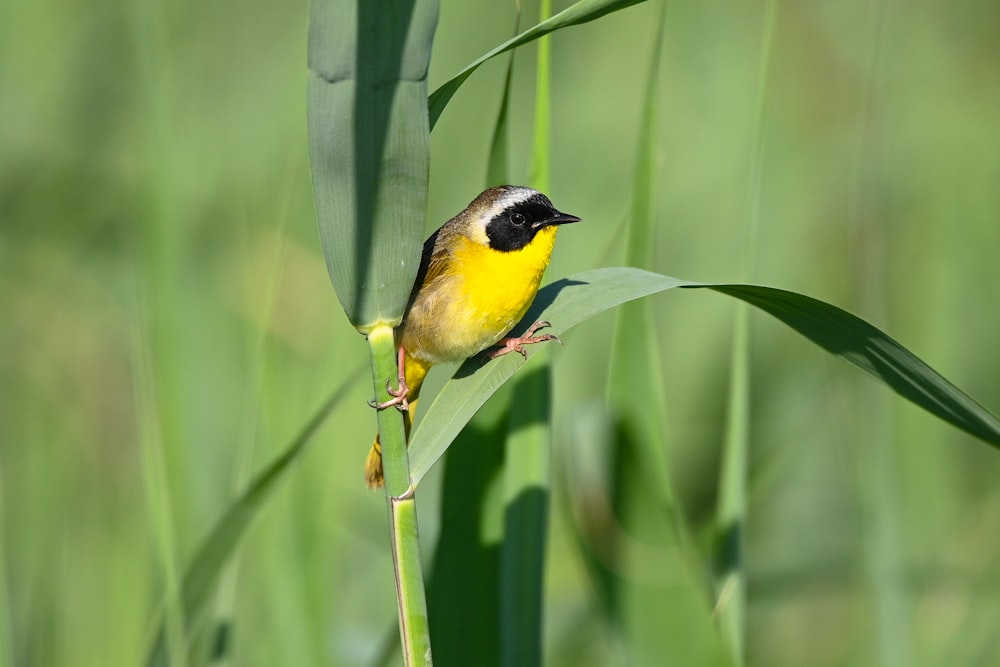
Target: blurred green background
(168, 325)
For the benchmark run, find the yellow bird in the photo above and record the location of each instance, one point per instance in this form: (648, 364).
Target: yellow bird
(478, 275)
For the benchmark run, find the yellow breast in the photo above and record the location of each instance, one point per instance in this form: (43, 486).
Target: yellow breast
(477, 299)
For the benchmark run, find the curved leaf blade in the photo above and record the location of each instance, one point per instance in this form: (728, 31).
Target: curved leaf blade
(572, 300)
(565, 303)
(864, 345)
(579, 13)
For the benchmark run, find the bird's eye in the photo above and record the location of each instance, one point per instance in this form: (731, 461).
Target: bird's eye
(517, 219)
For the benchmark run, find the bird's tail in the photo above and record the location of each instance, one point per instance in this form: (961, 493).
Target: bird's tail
(415, 371)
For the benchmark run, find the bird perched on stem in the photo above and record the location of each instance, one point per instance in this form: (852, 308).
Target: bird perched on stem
(478, 275)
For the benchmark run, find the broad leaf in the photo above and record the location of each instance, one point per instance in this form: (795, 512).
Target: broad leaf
(572, 300)
(565, 303)
(369, 147)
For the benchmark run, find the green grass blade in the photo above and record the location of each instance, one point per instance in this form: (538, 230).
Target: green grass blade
(171, 637)
(635, 359)
(663, 615)
(526, 459)
(464, 629)
(467, 557)
(640, 577)
(526, 499)
(497, 170)
(881, 490)
(369, 142)
(572, 300)
(676, 620)
(871, 350)
(6, 640)
(579, 13)
(201, 575)
(541, 146)
(731, 512)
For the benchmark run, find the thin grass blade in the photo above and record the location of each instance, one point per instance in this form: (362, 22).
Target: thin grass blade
(641, 578)
(731, 510)
(577, 14)
(464, 629)
(171, 637)
(881, 492)
(730, 515)
(662, 614)
(526, 501)
(848, 336)
(467, 557)
(6, 641)
(527, 475)
(497, 170)
(676, 623)
(635, 360)
(200, 577)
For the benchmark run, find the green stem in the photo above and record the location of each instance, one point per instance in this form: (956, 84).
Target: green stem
(732, 509)
(410, 592)
(414, 630)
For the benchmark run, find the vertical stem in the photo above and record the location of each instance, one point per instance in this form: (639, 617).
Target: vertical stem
(157, 495)
(876, 456)
(6, 631)
(539, 177)
(414, 630)
(410, 592)
(526, 454)
(732, 509)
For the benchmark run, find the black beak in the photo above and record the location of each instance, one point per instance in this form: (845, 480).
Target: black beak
(556, 219)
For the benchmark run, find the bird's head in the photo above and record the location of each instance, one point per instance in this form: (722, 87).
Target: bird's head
(508, 217)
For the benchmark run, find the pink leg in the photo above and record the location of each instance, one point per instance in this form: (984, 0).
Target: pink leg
(399, 396)
(515, 344)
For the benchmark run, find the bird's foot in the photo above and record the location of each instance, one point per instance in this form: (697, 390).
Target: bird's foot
(529, 337)
(400, 395)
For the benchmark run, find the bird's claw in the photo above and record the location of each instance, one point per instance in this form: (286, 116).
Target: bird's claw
(540, 324)
(399, 397)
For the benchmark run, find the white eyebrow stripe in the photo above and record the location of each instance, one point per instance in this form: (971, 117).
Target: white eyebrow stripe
(510, 199)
